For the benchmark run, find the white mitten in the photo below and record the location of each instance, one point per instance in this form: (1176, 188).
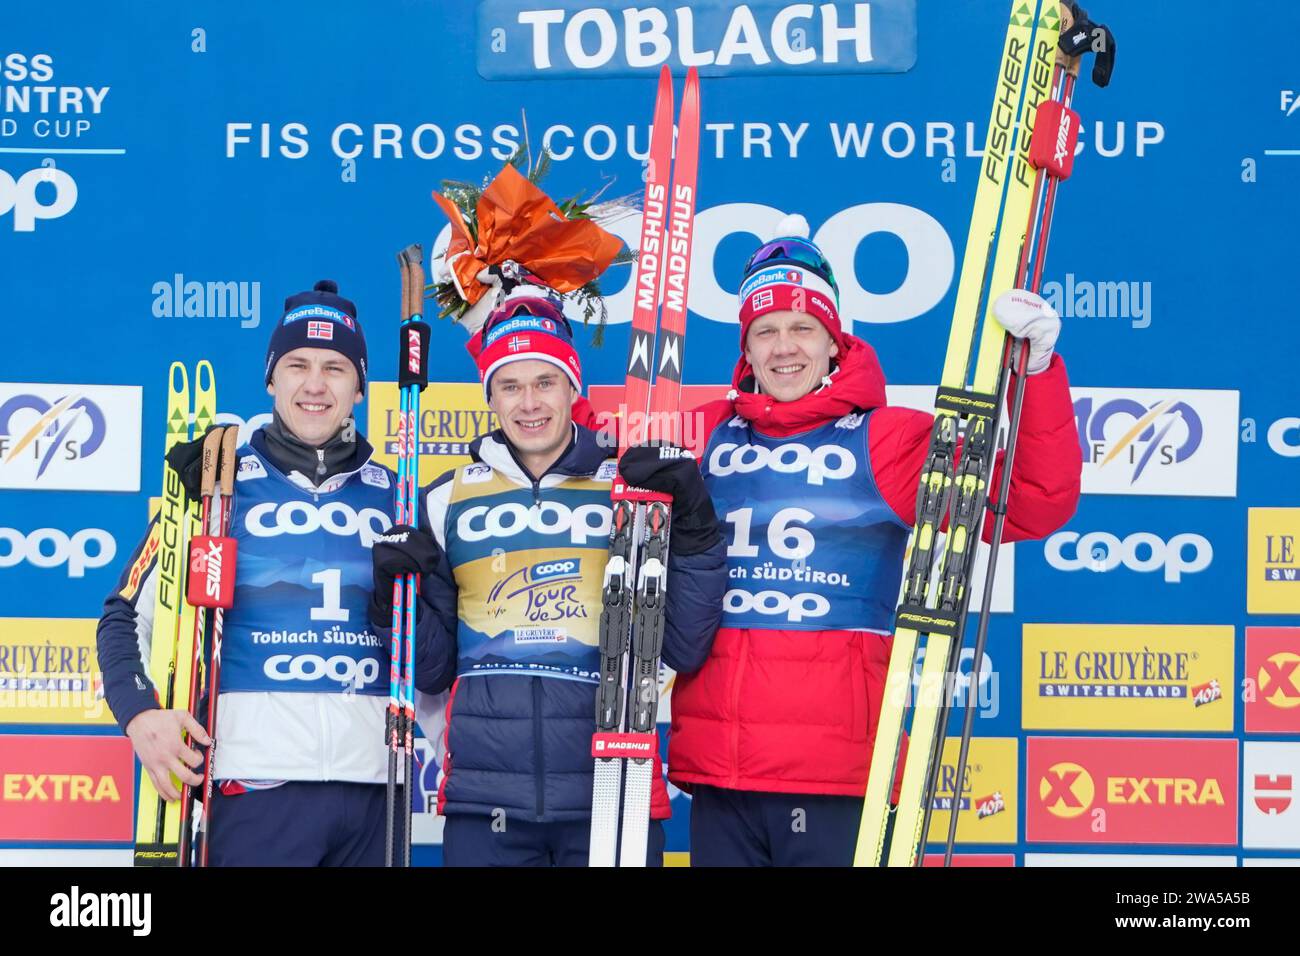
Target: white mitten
(1026, 315)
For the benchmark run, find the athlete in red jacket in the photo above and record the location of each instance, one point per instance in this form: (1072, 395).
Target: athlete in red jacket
(817, 479)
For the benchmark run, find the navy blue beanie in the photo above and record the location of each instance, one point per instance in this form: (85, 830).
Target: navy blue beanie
(319, 319)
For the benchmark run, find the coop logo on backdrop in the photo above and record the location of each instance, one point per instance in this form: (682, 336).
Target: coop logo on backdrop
(1144, 441)
(1142, 551)
(1284, 435)
(70, 437)
(74, 553)
(38, 110)
(570, 38)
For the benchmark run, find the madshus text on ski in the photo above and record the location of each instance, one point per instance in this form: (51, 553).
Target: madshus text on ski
(524, 605)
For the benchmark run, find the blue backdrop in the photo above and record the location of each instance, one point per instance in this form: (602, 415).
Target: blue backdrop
(1171, 258)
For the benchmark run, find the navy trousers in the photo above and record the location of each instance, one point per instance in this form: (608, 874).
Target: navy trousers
(300, 823)
(471, 840)
(746, 828)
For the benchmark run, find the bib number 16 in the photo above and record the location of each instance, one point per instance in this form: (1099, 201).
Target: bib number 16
(785, 538)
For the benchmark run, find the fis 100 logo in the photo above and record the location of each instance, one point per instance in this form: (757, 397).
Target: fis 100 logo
(1157, 441)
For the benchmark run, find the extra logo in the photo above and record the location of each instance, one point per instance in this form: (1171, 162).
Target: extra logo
(269, 520)
(61, 788)
(1142, 551)
(580, 525)
(51, 548)
(20, 196)
(1271, 804)
(1273, 561)
(1158, 442)
(1066, 790)
(820, 464)
(1134, 790)
(1272, 684)
(70, 437)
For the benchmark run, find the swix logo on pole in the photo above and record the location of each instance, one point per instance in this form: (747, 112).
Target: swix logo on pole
(212, 572)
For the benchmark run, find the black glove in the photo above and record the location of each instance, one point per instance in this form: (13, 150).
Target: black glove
(1082, 37)
(672, 470)
(187, 458)
(400, 550)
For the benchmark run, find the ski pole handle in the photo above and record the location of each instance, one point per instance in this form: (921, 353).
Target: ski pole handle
(211, 460)
(1063, 60)
(229, 442)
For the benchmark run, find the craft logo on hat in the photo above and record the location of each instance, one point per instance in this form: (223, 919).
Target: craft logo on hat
(320, 330)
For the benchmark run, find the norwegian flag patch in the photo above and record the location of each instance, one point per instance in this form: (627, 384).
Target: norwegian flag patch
(519, 343)
(320, 330)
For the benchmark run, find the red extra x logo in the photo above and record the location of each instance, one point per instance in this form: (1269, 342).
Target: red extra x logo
(1131, 790)
(1273, 680)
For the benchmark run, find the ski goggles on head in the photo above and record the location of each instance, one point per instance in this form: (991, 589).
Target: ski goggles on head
(793, 251)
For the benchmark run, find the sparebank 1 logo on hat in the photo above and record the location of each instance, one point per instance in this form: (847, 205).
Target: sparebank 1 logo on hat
(70, 437)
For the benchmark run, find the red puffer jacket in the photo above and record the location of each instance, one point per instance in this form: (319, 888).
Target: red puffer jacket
(796, 711)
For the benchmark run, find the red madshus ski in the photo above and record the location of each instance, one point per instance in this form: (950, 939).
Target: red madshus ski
(632, 619)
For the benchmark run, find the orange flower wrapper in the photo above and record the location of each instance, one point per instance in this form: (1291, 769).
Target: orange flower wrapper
(518, 221)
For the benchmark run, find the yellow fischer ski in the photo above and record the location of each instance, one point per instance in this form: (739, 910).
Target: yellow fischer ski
(993, 246)
(171, 655)
(980, 432)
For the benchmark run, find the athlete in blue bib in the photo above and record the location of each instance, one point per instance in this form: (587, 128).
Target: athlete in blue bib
(301, 767)
(509, 620)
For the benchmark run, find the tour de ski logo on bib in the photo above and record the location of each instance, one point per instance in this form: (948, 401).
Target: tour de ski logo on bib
(544, 594)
